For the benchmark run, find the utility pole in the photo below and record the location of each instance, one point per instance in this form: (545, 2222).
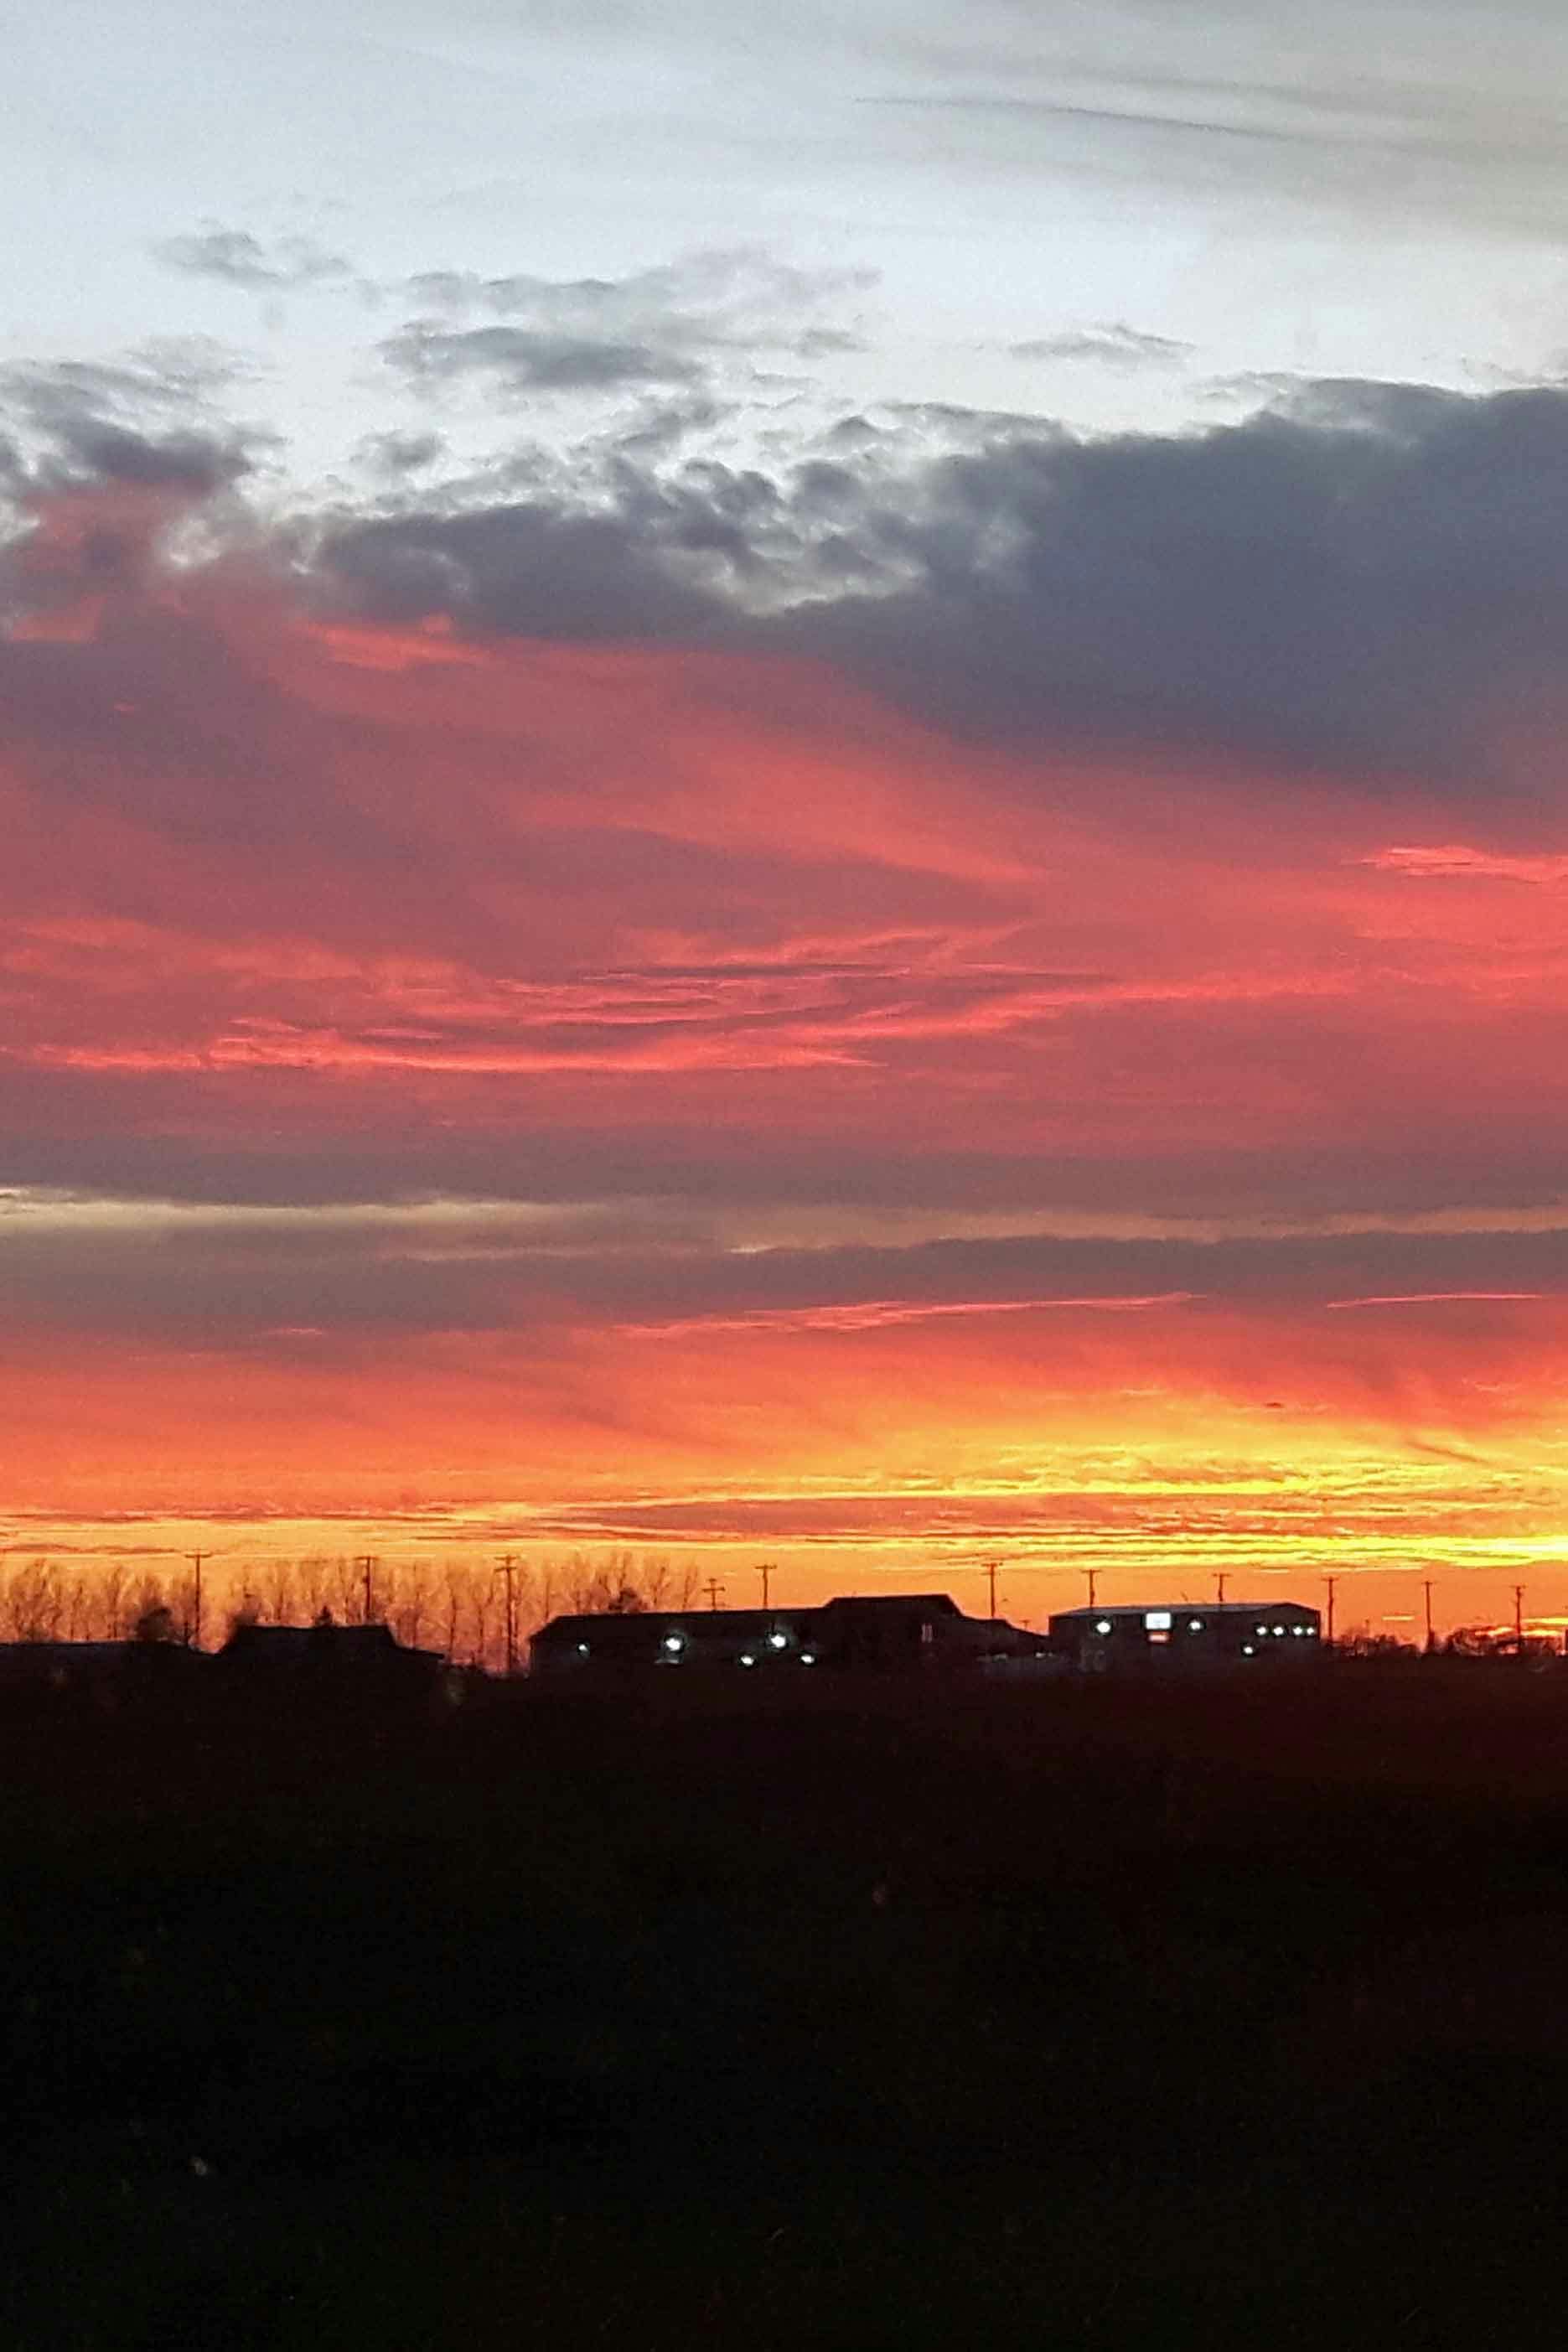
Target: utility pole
(1331, 1581)
(507, 1567)
(766, 1569)
(714, 1592)
(1426, 1583)
(1519, 1620)
(195, 1559)
(1219, 1584)
(1093, 1576)
(366, 1564)
(991, 1568)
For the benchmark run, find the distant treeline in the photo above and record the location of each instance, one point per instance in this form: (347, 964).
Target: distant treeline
(455, 1606)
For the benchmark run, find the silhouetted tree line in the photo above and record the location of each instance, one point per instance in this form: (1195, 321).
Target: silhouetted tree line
(455, 1606)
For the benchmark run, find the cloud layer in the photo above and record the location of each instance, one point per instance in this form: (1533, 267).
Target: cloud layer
(964, 967)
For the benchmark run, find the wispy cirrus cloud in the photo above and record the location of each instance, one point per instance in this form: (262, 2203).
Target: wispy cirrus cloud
(1113, 344)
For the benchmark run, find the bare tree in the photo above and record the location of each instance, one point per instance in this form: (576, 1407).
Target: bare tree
(346, 1591)
(481, 1600)
(111, 1592)
(78, 1606)
(413, 1603)
(276, 1592)
(35, 1602)
(452, 1596)
(314, 1584)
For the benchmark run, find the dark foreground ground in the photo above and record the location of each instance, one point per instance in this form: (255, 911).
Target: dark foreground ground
(1058, 2017)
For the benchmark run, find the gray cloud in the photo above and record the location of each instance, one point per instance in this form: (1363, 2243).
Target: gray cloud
(147, 421)
(528, 566)
(248, 1275)
(395, 456)
(658, 328)
(1368, 582)
(521, 359)
(1113, 345)
(1360, 581)
(236, 257)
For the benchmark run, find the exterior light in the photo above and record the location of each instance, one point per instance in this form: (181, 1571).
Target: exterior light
(778, 1641)
(1260, 1629)
(675, 1644)
(807, 1658)
(582, 1649)
(1247, 1649)
(746, 1659)
(1101, 1624)
(1278, 1633)
(1195, 1624)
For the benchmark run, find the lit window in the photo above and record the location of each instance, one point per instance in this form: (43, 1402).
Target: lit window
(1101, 1624)
(1157, 1620)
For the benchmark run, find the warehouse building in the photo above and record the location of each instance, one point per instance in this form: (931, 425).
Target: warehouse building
(1180, 1635)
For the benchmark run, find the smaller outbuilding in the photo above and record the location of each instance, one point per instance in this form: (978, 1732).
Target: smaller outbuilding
(328, 1658)
(1179, 1636)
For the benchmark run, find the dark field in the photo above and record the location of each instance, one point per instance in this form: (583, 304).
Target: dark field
(1052, 2016)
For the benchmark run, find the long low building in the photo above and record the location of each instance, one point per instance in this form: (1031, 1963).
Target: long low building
(876, 1632)
(1182, 1634)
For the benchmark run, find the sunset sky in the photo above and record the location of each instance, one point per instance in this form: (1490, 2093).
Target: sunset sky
(793, 787)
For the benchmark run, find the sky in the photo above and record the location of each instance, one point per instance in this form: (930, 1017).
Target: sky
(790, 786)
